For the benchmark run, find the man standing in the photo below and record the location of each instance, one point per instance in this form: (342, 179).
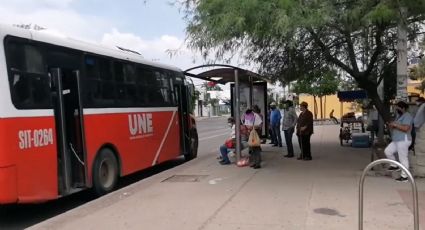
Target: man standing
(304, 131)
(275, 117)
(270, 129)
(288, 126)
(400, 138)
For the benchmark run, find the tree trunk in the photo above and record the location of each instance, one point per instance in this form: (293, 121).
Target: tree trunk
(382, 106)
(315, 107)
(321, 107)
(325, 106)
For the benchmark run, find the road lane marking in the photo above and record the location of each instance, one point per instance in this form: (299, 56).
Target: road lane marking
(214, 136)
(214, 132)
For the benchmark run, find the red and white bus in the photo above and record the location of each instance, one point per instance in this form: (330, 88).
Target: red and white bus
(74, 116)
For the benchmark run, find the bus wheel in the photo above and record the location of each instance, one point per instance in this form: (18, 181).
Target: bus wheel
(105, 172)
(193, 146)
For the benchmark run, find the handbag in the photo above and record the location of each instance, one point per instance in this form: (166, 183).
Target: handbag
(230, 143)
(254, 139)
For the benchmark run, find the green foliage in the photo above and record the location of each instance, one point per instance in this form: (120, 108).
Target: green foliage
(418, 72)
(195, 97)
(320, 84)
(291, 39)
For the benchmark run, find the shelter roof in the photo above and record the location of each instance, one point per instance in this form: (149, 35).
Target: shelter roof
(225, 74)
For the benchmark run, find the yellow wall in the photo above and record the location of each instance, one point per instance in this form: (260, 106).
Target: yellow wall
(332, 102)
(412, 89)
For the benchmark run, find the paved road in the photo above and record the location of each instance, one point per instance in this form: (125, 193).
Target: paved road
(211, 131)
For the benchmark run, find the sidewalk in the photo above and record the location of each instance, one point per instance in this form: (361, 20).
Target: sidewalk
(284, 194)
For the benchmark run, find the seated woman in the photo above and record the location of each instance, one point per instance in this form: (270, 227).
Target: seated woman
(224, 149)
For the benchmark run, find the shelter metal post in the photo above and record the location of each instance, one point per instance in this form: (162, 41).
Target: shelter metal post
(237, 117)
(250, 102)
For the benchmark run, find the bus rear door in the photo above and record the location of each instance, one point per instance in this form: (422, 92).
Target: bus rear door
(72, 168)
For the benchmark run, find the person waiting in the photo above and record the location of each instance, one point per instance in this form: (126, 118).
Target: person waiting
(401, 138)
(230, 142)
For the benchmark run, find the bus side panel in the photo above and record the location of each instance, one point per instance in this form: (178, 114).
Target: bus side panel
(171, 147)
(32, 145)
(137, 143)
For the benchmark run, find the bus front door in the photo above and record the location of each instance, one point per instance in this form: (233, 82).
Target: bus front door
(72, 170)
(183, 113)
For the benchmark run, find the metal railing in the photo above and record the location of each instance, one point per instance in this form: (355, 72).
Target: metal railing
(412, 182)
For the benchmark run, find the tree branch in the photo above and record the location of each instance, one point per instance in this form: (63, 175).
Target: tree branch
(376, 53)
(351, 54)
(329, 56)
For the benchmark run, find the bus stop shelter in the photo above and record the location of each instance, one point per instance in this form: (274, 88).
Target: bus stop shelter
(247, 89)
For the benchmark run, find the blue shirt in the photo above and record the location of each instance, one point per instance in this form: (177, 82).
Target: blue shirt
(405, 119)
(275, 117)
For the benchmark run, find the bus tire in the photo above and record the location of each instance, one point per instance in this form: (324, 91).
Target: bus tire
(105, 172)
(193, 151)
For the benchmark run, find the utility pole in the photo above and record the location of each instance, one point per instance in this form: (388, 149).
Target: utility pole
(381, 123)
(402, 57)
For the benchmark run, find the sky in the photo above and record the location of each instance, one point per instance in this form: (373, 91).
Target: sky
(150, 27)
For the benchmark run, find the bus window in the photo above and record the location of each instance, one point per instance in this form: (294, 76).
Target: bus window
(164, 87)
(108, 92)
(119, 71)
(105, 69)
(92, 93)
(64, 58)
(121, 94)
(16, 56)
(129, 73)
(21, 90)
(90, 67)
(40, 90)
(28, 79)
(33, 60)
(132, 96)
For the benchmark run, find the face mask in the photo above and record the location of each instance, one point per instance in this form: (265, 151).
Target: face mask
(399, 112)
(248, 111)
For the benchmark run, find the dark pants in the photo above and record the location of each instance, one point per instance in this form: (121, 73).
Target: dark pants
(276, 133)
(304, 142)
(224, 153)
(413, 133)
(272, 136)
(255, 154)
(288, 139)
(334, 120)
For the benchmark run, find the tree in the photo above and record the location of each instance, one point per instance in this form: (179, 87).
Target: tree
(418, 72)
(195, 97)
(291, 38)
(322, 83)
